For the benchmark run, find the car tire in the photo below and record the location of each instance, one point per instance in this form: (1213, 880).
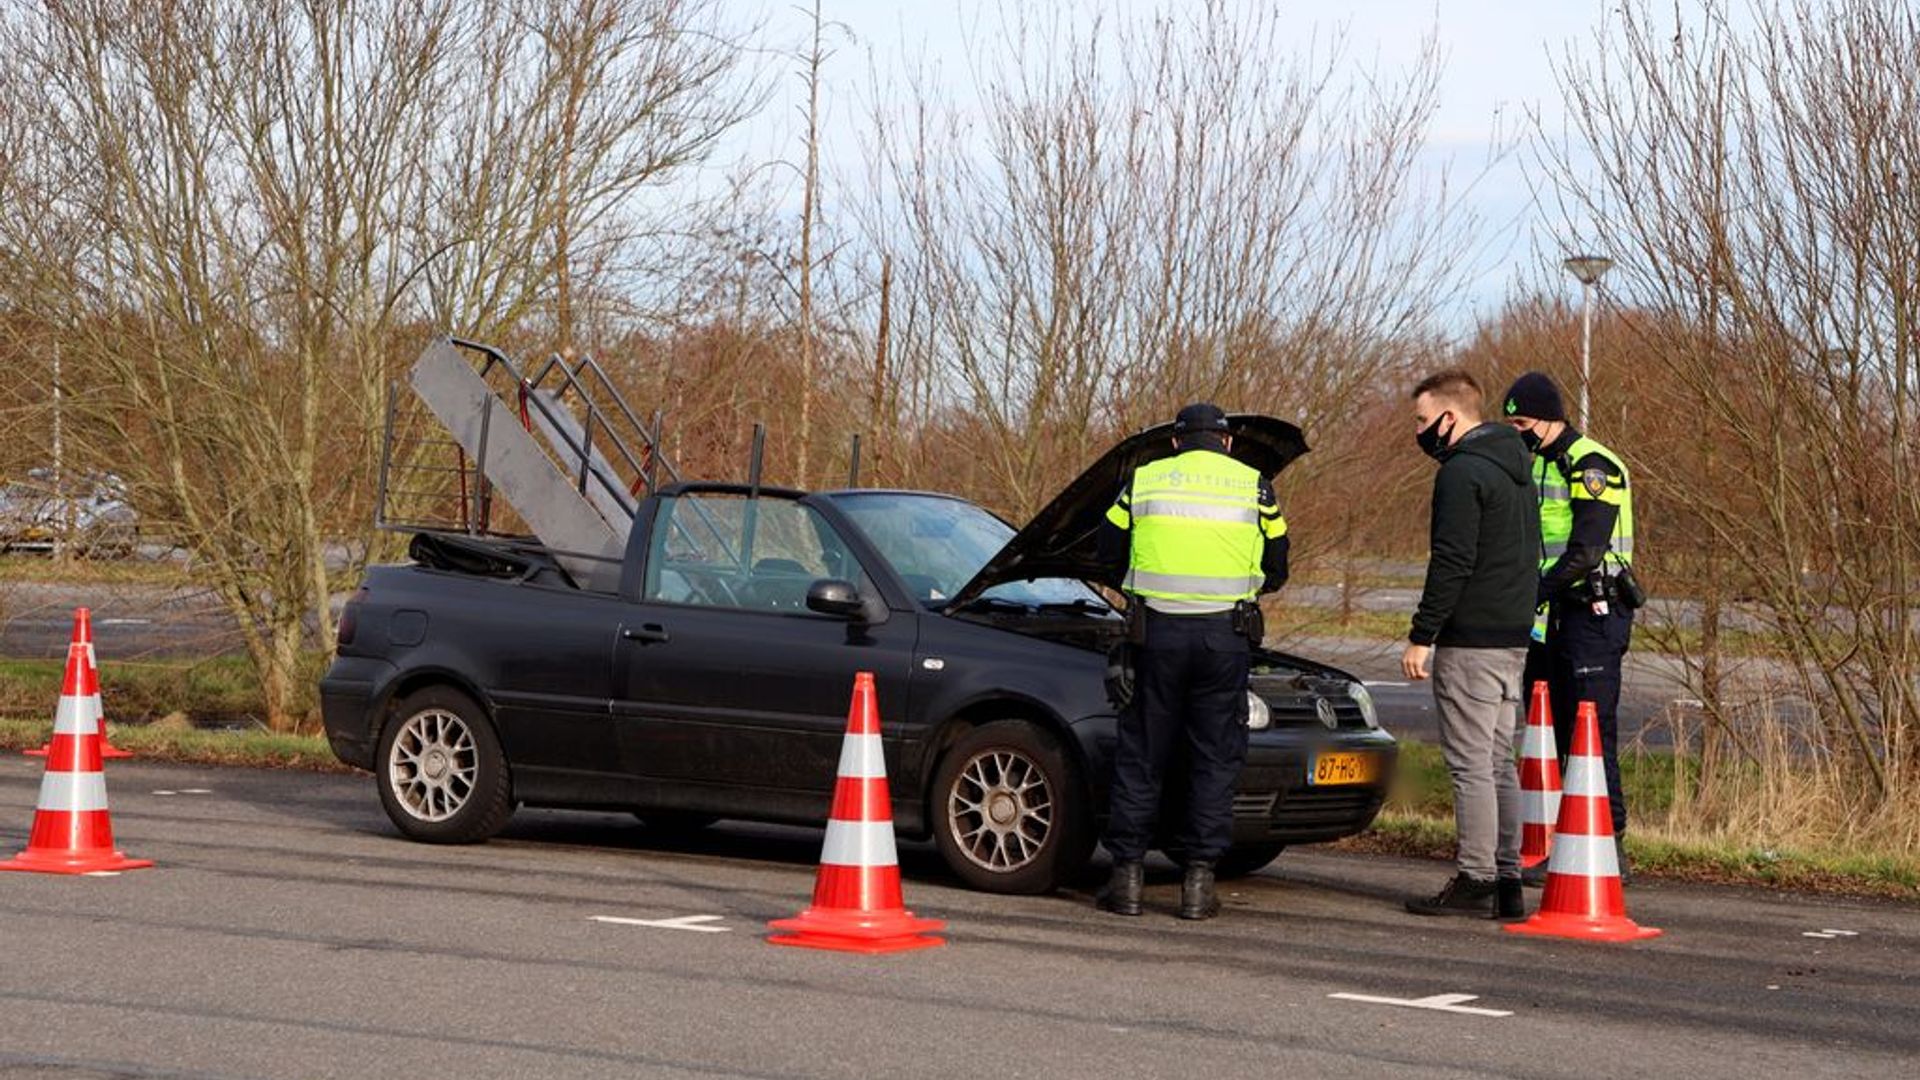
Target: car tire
(1009, 812)
(442, 775)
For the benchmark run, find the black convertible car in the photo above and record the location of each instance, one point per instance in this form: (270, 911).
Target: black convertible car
(714, 682)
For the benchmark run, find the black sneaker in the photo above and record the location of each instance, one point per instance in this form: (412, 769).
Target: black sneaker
(1535, 876)
(1508, 901)
(1460, 896)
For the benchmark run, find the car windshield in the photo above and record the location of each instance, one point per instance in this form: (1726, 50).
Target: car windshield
(937, 544)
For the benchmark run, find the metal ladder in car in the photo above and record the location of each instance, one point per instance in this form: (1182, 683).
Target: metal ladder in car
(574, 477)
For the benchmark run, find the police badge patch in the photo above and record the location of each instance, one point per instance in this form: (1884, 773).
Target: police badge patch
(1595, 481)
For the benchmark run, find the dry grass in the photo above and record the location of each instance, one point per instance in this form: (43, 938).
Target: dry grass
(168, 742)
(1775, 827)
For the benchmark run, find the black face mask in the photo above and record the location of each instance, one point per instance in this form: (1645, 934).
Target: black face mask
(1532, 439)
(1432, 443)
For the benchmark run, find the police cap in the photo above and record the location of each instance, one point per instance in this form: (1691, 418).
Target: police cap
(1198, 418)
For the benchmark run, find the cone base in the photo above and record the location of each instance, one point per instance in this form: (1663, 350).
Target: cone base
(72, 862)
(1609, 928)
(107, 750)
(869, 933)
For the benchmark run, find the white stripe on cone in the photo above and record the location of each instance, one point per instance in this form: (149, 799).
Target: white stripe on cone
(1539, 807)
(73, 791)
(1537, 742)
(1585, 776)
(75, 716)
(859, 843)
(1580, 855)
(862, 758)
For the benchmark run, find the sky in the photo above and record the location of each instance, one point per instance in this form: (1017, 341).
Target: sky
(1498, 58)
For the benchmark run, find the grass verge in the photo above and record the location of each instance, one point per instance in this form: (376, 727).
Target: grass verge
(1418, 822)
(220, 688)
(45, 570)
(168, 742)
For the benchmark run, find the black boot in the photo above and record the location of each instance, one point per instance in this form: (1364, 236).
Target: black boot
(1533, 877)
(1620, 853)
(1122, 894)
(1197, 899)
(1508, 901)
(1460, 896)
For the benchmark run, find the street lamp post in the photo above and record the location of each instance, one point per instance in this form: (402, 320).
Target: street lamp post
(1588, 268)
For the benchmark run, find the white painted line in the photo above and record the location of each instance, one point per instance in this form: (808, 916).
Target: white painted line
(196, 791)
(101, 873)
(125, 622)
(696, 923)
(1842, 933)
(1451, 1003)
(1372, 682)
(165, 792)
(1829, 935)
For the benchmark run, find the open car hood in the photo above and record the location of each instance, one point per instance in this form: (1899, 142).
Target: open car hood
(1062, 539)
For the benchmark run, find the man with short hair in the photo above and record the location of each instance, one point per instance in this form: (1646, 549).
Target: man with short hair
(1471, 632)
(1202, 537)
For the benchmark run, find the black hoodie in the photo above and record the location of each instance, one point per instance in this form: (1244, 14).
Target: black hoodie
(1484, 567)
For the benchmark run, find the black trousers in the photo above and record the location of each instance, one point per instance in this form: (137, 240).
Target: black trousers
(1190, 686)
(1581, 661)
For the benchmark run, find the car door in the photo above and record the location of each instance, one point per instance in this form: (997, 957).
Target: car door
(724, 679)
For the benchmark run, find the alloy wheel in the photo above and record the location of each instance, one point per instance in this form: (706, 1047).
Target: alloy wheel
(1000, 810)
(433, 764)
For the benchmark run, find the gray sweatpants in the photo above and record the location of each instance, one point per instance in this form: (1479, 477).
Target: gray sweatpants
(1477, 692)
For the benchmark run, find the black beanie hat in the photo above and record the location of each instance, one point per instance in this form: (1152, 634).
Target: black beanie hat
(1534, 396)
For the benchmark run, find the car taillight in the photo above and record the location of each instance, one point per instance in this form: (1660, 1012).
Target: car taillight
(350, 617)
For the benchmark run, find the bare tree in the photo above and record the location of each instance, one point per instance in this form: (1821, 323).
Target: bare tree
(279, 194)
(1756, 187)
(1148, 211)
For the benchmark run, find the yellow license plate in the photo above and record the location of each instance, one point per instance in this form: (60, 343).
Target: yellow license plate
(1331, 769)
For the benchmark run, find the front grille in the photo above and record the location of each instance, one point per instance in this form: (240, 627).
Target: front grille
(1310, 808)
(1257, 804)
(1295, 709)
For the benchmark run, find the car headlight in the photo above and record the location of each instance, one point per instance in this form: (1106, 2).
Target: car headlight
(1364, 698)
(1259, 717)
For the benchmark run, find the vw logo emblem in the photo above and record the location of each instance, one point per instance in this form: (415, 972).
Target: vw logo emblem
(1324, 709)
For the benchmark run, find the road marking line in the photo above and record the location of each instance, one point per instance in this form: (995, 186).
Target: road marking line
(1829, 935)
(165, 792)
(696, 923)
(125, 622)
(1842, 933)
(1451, 1003)
(1372, 682)
(196, 791)
(101, 873)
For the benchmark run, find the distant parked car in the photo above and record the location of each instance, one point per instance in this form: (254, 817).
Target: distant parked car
(96, 522)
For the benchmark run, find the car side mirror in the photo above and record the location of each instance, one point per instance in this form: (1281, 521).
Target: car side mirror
(831, 596)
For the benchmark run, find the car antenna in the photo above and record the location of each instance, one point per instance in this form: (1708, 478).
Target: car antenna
(853, 466)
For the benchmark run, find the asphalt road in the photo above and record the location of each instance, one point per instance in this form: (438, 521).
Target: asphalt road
(288, 932)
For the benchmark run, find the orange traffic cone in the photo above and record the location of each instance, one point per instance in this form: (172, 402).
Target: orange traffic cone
(72, 833)
(1539, 780)
(83, 635)
(1583, 898)
(857, 905)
